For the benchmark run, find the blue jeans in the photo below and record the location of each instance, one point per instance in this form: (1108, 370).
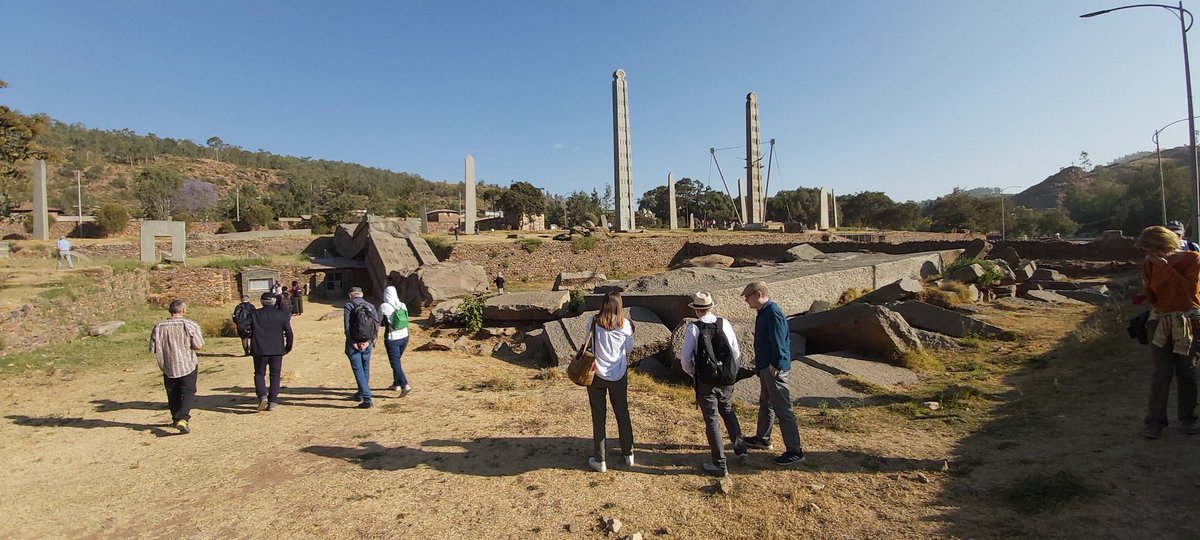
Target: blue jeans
(360, 364)
(395, 349)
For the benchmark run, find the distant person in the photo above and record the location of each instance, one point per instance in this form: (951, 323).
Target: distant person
(1184, 244)
(241, 319)
(500, 283)
(174, 342)
(1171, 282)
(710, 355)
(298, 294)
(270, 339)
(360, 322)
(283, 301)
(64, 253)
(395, 340)
(612, 342)
(455, 229)
(773, 361)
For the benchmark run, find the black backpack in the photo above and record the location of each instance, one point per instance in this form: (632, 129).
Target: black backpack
(242, 312)
(362, 323)
(714, 358)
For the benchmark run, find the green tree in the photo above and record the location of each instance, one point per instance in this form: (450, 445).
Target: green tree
(582, 207)
(801, 205)
(1057, 221)
(18, 142)
(958, 211)
(865, 209)
(656, 201)
(522, 199)
(216, 144)
(156, 189)
(257, 215)
(112, 218)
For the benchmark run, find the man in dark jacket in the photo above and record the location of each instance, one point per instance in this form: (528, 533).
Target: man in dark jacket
(773, 361)
(241, 319)
(270, 339)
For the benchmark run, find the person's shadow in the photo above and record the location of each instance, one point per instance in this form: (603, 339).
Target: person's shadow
(85, 423)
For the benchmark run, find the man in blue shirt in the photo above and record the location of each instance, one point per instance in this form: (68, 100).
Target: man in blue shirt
(773, 362)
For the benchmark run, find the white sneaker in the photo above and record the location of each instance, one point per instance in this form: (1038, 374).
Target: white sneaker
(599, 466)
(629, 460)
(262, 404)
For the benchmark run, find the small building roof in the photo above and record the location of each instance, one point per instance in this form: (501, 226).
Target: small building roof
(325, 264)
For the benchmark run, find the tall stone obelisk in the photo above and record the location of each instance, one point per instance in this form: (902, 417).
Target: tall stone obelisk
(674, 222)
(823, 206)
(41, 223)
(469, 195)
(742, 202)
(623, 168)
(833, 204)
(755, 213)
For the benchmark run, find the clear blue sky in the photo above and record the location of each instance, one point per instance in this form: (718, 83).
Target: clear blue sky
(909, 98)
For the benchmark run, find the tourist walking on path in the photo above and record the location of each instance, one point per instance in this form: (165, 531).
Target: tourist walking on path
(298, 294)
(773, 362)
(395, 318)
(241, 319)
(174, 343)
(284, 301)
(500, 283)
(612, 340)
(1171, 283)
(710, 355)
(360, 322)
(64, 253)
(270, 339)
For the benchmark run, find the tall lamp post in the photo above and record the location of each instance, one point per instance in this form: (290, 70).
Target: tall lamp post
(1003, 216)
(1193, 165)
(1162, 183)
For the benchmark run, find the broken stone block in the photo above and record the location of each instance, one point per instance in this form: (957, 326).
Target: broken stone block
(966, 274)
(1090, 296)
(444, 312)
(431, 284)
(1006, 254)
(1006, 273)
(569, 281)
(708, 261)
(564, 337)
(526, 306)
(902, 289)
(948, 322)
(1048, 296)
(936, 341)
(1046, 274)
(1052, 285)
(848, 363)
(809, 386)
(873, 330)
(819, 306)
(437, 344)
(105, 329)
(1024, 271)
(976, 249)
(677, 346)
(1003, 291)
(802, 252)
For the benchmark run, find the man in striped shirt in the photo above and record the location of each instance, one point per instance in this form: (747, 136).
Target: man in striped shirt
(174, 342)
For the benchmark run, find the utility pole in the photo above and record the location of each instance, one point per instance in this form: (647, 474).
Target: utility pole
(79, 200)
(237, 204)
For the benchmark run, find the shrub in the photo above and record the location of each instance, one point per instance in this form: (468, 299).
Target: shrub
(257, 215)
(440, 245)
(576, 303)
(319, 225)
(226, 227)
(472, 309)
(274, 225)
(580, 244)
(991, 274)
(529, 244)
(112, 218)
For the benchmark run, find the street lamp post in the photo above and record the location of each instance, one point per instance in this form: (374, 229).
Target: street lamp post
(1193, 164)
(1003, 216)
(1162, 183)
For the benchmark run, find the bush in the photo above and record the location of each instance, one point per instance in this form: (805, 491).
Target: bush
(274, 225)
(226, 227)
(319, 225)
(112, 218)
(440, 245)
(576, 303)
(529, 244)
(991, 274)
(580, 244)
(257, 215)
(472, 309)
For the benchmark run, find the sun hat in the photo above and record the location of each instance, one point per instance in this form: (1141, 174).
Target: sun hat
(701, 300)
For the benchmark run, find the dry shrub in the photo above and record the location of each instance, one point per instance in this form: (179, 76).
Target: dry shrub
(921, 361)
(549, 374)
(640, 382)
(512, 403)
(948, 295)
(852, 294)
(217, 327)
(495, 384)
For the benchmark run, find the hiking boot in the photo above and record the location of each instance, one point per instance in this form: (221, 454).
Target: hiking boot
(182, 426)
(364, 405)
(405, 391)
(713, 470)
(272, 405)
(789, 458)
(262, 404)
(629, 460)
(1152, 432)
(740, 451)
(757, 442)
(355, 397)
(598, 466)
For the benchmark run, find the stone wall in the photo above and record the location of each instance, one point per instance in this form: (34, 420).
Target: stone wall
(208, 286)
(200, 248)
(44, 321)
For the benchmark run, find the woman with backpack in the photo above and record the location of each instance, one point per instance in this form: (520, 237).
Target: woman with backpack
(395, 316)
(1171, 282)
(612, 341)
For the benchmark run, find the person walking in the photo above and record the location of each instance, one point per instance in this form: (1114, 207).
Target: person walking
(612, 340)
(64, 253)
(773, 361)
(241, 319)
(1171, 282)
(360, 322)
(395, 340)
(270, 339)
(710, 355)
(283, 301)
(174, 342)
(298, 293)
(500, 283)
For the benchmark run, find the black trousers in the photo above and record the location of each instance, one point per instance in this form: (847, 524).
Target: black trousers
(716, 405)
(181, 395)
(618, 394)
(261, 363)
(1167, 366)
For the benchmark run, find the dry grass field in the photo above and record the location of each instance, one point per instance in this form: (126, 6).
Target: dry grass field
(1035, 438)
